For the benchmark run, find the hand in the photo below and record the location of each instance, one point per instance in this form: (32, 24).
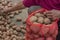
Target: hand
(53, 13)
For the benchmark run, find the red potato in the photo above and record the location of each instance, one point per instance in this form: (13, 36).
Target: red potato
(28, 30)
(36, 35)
(44, 30)
(49, 38)
(41, 38)
(54, 35)
(52, 30)
(47, 35)
(35, 28)
(30, 36)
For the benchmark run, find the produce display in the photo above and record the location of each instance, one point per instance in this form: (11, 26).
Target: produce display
(41, 26)
(8, 29)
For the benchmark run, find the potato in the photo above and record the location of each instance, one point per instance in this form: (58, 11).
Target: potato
(2, 0)
(14, 27)
(5, 23)
(11, 16)
(4, 3)
(24, 31)
(21, 26)
(10, 5)
(18, 29)
(18, 37)
(35, 23)
(14, 39)
(33, 18)
(1, 33)
(36, 35)
(49, 38)
(6, 7)
(1, 17)
(1, 22)
(20, 11)
(7, 38)
(54, 35)
(35, 28)
(47, 21)
(10, 32)
(16, 12)
(3, 28)
(40, 20)
(41, 38)
(15, 32)
(24, 21)
(12, 24)
(12, 36)
(19, 19)
(9, 21)
(39, 15)
(44, 30)
(7, 28)
(4, 35)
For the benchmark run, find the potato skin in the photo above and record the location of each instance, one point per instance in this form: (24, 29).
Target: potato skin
(39, 15)
(40, 20)
(33, 18)
(49, 38)
(47, 21)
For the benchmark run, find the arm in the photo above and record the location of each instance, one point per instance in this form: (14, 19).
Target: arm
(21, 5)
(14, 8)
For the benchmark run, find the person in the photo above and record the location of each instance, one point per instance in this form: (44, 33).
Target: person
(47, 4)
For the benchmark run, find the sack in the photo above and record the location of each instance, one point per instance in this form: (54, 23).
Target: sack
(40, 29)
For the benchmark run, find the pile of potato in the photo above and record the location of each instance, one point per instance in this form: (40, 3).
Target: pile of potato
(41, 18)
(8, 29)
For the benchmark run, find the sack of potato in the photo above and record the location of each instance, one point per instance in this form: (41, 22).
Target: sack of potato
(39, 25)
